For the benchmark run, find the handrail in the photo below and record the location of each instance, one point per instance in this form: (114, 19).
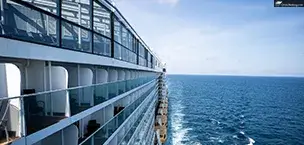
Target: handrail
(130, 128)
(90, 136)
(112, 136)
(141, 121)
(58, 90)
(42, 134)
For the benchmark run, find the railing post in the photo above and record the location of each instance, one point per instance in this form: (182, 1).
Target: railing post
(62, 137)
(59, 33)
(112, 34)
(22, 115)
(92, 140)
(50, 85)
(91, 10)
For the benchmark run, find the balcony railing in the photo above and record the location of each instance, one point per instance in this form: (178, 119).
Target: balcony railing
(101, 135)
(148, 116)
(132, 128)
(26, 114)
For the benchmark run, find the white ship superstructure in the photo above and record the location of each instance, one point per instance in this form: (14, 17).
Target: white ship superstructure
(75, 72)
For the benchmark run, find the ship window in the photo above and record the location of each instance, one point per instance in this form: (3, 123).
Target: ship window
(117, 51)
(141, 50)
(142, 61)
(117, 30)
(28, 24)
(124, 37)
(102, 20)
(133, 57)
(130, 46)
(124, 53)
(47, 5)
(76, 11)
(102, 45)
(74, 37)
(135, 45)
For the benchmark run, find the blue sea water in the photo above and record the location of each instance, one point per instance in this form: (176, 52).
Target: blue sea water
(235, 110)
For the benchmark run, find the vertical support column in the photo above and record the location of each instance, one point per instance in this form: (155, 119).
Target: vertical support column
(78, 84)
(2, 4)
(44, 88)
(91, 11)
(62, 137)
(112, 34)
(79, 22)
(50, 84)
(80, 92)
(58, 28)
(137, 48)
(47, 24)
(22, 114)
(26, 76)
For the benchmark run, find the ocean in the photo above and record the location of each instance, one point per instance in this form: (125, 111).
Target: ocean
(235, 110)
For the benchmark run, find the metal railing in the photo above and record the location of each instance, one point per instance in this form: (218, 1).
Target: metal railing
(32, 112)
(143, 127)
(107, 130)
(138, 125)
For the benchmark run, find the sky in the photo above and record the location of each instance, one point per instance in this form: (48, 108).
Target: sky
(221, 37)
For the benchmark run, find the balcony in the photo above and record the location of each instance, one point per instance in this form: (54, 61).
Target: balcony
(32, 112)
(111, 129)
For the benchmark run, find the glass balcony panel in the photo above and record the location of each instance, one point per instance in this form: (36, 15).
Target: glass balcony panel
(81, 99)
(88, 142)
(102, 45)
(101, 136)
(10, 113)
(43, 110)
(128, 85)
(121, 87)
(27, 24)
(113, 124)
(46, 109)
(101, 94)
(121, 117)
(113, 90)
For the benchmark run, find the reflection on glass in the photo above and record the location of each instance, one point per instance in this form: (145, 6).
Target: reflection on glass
(76, 11)
(117, 31)
(117, 51)
(102, 45)
(72, 39)
(102, 20)
(28, 24)
(103, 133)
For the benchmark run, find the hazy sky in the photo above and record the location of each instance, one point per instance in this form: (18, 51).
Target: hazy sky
(239, 37)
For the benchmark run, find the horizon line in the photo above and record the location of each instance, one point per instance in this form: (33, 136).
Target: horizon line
(237, 75)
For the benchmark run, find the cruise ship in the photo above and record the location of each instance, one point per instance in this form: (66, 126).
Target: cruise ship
(75, 72)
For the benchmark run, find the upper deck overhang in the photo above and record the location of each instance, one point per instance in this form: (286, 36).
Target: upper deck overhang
(25, 50)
